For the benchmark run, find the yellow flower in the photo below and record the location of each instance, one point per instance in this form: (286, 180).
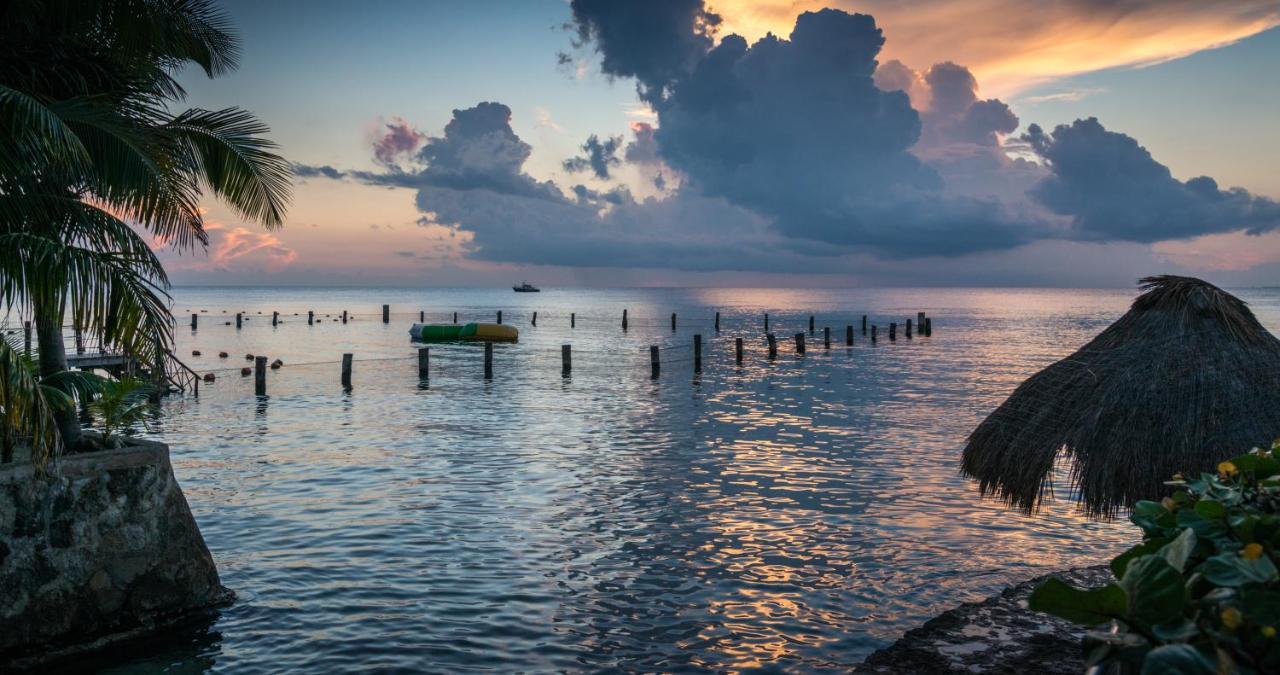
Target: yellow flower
(1268, 632)
(1252, 551)
(1227, 469)
(1232, 618)
(1169, 504)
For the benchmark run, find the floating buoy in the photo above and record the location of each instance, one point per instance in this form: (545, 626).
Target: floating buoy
(248, 357)
(227, 323)
(275, 365)
(208, 377)
(222, 355)
(195, 352)
(245, 372)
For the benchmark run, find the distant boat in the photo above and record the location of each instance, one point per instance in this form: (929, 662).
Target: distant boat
(526, 287)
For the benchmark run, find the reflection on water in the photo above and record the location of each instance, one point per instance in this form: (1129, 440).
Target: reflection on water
(784, 515)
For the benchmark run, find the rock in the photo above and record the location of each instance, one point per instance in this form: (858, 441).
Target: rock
(222, 355)
(246, 371)
(996, 635)
(209, 377)
(102, 549)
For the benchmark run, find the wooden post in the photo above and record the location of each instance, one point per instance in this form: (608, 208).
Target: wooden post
(535, 318)
(346, 370)
(864, 324)
(422, 316)
(907, 331)
(800, 343)
(311, 318)
(653, 361)
(673, 322)
(848, 336)
(624, 319)
(26, 337)
(920, 322)
(893, 331)
(344, 316)
(488, 360)
(499, 316)
(260, 376)
(573, 320)
(566, 360)
(737, 349)
(766, 322)
(826, 337)
(928, 326)
(697, 353)
(193, 320)
(717, 322)
(811, 324)
(773, 346)
(424, 362)
(873, 335)
(386, 314)
(455, 317)
(275, 319)
(238, 319)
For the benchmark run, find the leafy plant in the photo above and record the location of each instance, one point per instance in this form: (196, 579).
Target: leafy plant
(28, 403)
(119, 405)
(1201, 593)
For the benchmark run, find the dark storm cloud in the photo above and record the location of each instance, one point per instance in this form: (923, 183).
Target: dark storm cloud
(598, 156)
(643, 149)
(954, 113)
(1113, 189)
(326, 171)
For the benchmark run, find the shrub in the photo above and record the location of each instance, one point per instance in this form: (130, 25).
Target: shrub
(1201, 592)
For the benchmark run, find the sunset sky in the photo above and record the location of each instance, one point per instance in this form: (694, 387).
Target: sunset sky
(991, 142)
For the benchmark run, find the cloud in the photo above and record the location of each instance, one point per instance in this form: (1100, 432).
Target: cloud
(1113, 189)
(643, 148)
(234, 248)
(597, 156)
(399, 140)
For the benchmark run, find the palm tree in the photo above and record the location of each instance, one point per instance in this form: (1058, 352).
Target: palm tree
(90, 150)
(28, 403)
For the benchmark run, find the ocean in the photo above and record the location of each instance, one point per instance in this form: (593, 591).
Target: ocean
(793, 514)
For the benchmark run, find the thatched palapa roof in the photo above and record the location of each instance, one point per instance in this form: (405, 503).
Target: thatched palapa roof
(1185, 379)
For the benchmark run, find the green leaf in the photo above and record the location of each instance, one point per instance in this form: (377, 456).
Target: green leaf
(1179, 551)
(1177, 660)
(1261, 467)
(1120, 562)
(1205, 528)
(1230, 569)
(1208, 508)
(1177, 631)
(1087, 607)
(1156, 591)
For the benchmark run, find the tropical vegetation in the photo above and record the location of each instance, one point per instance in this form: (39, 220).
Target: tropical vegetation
(1201, 593)
(96, 166)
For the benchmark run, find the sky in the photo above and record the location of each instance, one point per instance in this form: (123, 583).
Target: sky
(756, 143)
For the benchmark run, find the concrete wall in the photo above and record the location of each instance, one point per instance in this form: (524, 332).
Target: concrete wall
(104, 546)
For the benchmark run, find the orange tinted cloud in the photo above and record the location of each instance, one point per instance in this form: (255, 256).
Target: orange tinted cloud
(1011, 45)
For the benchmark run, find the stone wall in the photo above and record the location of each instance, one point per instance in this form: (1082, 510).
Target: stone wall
(103, 547)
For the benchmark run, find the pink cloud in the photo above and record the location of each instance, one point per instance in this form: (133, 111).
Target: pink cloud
(399, 139)
(235, 247)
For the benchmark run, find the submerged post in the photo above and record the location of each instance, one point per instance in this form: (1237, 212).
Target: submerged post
(346, 371)
(848, 336)
(653, 361)
(455, 317)
(920, 322)
(344, 316)
(928, 326)
(424, 362)
(238, 320)
(864, 324)
(673, 322)
(873, 335)
(773, 346)
(311, 318)
(907, 332)
(499, 316)
(259, 376)
(386, 314)
(193, 320)
(800, 343)
(826, 337)
(275, 319)
(697, 353)
(535, 319)
(811, 324)
(717, 322)
(737, 349)
(893, 331)
(488, 360)
(422, 316)
(624, 319)
(566, 359)
(766, 322)
(573, 320)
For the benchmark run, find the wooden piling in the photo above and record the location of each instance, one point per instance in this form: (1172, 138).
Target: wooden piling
(534, 322)
(737, 349)
(893, 331)
(826, 337)
(928, 326)
(260, 376)
(344, 316)
(194, 317)
(773, 346)
(488, 360)
(907, 332)
(566, 360)
(386, 314)
(673, 322)
(624, 319)
(864, 324)
(800, 343)
(422, 316)
(238, 320)
(873, 335)
(424, 362)
(455, 317)
(811, 324)
(311, 318)
(275, 319)
(848, 336)
(766, 322)
(573, 320)
(499, 316)
(346, 370)
(920, 322)
(654, 366)
(717, 322)
(697, 353)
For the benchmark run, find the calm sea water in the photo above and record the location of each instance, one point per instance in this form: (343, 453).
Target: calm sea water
(793, 515)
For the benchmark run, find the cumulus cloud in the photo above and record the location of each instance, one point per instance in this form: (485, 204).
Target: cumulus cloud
(597, 156)
(643, 148)
(1113, 189)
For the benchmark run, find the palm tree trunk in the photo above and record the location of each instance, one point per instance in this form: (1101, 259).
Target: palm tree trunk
(53, 359)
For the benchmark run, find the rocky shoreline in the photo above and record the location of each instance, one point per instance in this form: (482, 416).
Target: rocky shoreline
(996, 635)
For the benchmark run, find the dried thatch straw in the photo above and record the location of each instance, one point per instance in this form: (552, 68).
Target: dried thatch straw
(1186, 378)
